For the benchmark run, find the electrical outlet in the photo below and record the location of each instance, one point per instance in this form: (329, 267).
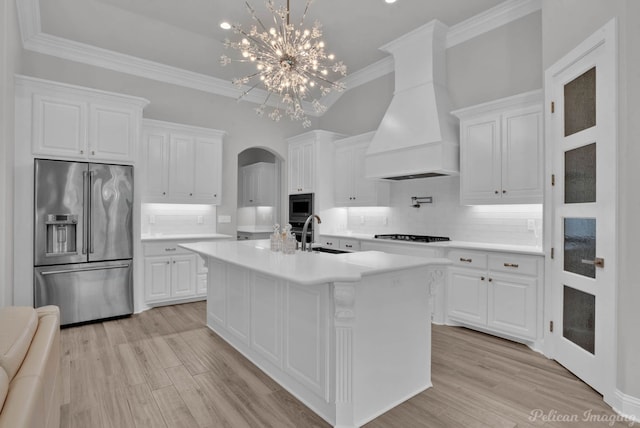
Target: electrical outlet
(224, 219)
(200, 219)
(152, 219)
(531, 224)
(361, 219)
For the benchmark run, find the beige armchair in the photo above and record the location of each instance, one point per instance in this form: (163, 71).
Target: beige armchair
(30, 384)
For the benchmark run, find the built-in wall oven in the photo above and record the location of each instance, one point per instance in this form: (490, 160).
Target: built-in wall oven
(300, 208)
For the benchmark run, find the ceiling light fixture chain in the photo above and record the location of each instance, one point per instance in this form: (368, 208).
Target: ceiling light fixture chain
(290, 61)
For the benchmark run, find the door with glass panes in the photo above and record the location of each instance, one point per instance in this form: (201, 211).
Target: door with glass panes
(583, 145)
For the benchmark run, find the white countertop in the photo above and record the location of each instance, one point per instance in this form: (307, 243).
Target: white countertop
(482, 246)
(308, 268)
(182, 237)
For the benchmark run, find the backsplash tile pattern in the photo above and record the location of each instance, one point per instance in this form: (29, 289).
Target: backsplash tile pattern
(172, 219)
(503, 224)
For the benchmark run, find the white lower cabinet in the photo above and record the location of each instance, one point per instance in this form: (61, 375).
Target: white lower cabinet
(172, 274)
(497, 292)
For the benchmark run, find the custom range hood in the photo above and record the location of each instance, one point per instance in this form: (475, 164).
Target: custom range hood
(417, 137)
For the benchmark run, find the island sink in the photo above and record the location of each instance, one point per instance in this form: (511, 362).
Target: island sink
(349, 335)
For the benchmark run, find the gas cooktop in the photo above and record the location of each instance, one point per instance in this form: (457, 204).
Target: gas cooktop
(413, 238)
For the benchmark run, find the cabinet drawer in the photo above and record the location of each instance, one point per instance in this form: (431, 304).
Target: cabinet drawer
(350, 244)
(164, 248)
(329, 242)
(514, 264)
(468, 259)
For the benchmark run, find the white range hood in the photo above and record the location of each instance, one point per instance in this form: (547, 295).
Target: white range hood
(417, 137)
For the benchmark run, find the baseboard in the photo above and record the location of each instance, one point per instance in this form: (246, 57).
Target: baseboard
(626, 405)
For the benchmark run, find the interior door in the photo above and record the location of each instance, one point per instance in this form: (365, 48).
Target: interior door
(583, 143)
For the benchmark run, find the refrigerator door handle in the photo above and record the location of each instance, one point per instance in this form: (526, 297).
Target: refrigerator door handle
(89, 207)
(85, 212)
(57, 272)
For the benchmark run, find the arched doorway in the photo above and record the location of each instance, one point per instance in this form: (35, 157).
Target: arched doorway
(259, 193)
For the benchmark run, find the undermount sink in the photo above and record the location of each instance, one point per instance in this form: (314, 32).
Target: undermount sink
(329, 250)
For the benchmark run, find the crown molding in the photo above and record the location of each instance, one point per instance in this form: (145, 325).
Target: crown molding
(35, 40)
(491, 19)
(29, 19)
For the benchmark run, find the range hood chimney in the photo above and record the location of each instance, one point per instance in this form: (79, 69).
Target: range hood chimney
(417, 137)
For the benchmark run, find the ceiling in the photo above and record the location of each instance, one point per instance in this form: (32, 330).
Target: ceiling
(186, 33)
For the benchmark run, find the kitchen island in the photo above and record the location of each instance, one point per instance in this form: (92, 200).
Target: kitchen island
(348, 334)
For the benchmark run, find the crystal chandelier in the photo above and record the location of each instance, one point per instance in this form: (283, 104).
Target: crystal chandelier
(290, 62)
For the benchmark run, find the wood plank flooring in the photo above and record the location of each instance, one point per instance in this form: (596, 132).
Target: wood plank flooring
(164, 368)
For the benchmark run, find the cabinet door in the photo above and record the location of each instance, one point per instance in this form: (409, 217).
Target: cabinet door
(522, 157)
(343, 176)
(59, 126)
(265, 184)
(301, 167)
(156, 155)
(181, 168)
(157, 278)
(295, 164)
(480, 159)
(308, 167)
(365, 191)
(111, 133)
(467, 295)
(183, 275)
(208, 165)
(512, 304)
(249, 186)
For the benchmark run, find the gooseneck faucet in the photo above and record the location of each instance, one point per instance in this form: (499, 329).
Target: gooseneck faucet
(304, 231)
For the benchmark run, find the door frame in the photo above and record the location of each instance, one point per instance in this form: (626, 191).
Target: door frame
(605, 38)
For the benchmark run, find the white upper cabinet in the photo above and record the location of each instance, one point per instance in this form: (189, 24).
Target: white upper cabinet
(310, 165)
(302, 167)
(257, 184)
(71, 122)
(183, 164)
(501, 151)
(351, 188)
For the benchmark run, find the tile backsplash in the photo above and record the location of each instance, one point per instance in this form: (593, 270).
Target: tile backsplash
(168, 219)
(504, 224)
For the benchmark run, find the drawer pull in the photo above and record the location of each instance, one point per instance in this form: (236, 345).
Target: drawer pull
(466, 260)
(349, 246)
(329, 243)
(170, 249)
(513, 265)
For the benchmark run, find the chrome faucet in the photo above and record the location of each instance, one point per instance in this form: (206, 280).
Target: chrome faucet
(303, 239)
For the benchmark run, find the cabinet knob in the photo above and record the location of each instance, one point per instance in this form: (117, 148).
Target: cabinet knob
(190, 194)
(496, 192)
(168, 262)
(215, 195)
(174, 262)
(490, 279)
(93, 152)
(504, 191)
(164, 193)
(482, 278)
(81, 152)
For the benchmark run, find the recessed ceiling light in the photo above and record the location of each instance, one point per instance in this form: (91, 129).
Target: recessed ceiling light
(226, 26)
(390, 1)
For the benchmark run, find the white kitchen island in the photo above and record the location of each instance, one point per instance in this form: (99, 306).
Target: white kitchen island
(347, 334)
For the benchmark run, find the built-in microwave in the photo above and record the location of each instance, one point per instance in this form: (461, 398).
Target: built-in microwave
(300, 207)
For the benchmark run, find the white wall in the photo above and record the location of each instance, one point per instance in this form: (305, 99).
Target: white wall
(504, 224)
(177, 219)
(584, 17)
(9, 63)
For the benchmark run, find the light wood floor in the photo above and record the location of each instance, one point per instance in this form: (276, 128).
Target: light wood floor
(164, 368)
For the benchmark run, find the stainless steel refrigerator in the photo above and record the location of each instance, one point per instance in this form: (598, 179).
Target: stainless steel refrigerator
(83, 249)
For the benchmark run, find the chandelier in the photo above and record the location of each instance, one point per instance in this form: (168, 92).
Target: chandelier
(290, 62)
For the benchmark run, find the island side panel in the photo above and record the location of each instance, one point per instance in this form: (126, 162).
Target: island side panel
(392, 341)
(280, 326)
